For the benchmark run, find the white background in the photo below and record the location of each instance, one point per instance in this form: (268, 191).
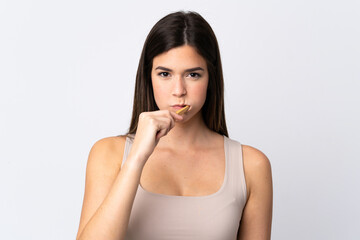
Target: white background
(292, 81)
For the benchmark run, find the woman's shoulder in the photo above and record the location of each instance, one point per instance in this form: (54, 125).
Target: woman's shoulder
(254, 157)
(108, 151)
(254, 160)
(257, 167)
(111, 144)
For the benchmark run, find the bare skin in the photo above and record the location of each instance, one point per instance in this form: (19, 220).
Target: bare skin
(157, 160)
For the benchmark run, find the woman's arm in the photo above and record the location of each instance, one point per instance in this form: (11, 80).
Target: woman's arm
(109, 192)
(257, 215)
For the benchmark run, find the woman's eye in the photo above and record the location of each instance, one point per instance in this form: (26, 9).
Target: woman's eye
(195, 75)
(164, 74)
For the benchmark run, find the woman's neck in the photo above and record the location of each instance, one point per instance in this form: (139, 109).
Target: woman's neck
(188, 135)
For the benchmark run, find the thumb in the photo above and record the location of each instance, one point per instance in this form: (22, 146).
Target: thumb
(176, 116)
(161, 133)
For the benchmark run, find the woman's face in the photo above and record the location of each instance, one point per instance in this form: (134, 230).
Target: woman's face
(180, 77)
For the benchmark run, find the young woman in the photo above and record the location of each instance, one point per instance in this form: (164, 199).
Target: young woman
(177, 176)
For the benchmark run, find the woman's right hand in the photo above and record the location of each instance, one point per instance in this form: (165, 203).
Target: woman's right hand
(151, 127)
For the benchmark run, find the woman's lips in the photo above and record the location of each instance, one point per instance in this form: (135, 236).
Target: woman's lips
(178, 107)
(183, 110)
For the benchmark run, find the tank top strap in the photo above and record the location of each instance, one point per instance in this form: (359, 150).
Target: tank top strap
(236, 170)
(127, 147)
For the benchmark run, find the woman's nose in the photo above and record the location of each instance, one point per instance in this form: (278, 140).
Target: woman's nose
(179, 87)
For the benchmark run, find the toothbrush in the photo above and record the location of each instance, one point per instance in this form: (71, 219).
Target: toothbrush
(183, 110)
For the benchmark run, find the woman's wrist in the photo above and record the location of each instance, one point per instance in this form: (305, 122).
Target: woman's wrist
(135, 161)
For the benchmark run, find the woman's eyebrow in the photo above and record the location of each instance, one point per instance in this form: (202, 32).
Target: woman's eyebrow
(187, 70)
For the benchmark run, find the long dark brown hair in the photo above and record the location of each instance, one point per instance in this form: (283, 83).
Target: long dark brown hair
(175, 30)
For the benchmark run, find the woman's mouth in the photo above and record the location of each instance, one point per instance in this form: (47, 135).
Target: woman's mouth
(177, 107)
(182, 110)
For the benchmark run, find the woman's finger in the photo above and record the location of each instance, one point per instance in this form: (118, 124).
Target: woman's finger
(161, 133)
(176, 116)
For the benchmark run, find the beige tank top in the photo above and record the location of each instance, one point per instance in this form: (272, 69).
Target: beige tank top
(213, 217)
